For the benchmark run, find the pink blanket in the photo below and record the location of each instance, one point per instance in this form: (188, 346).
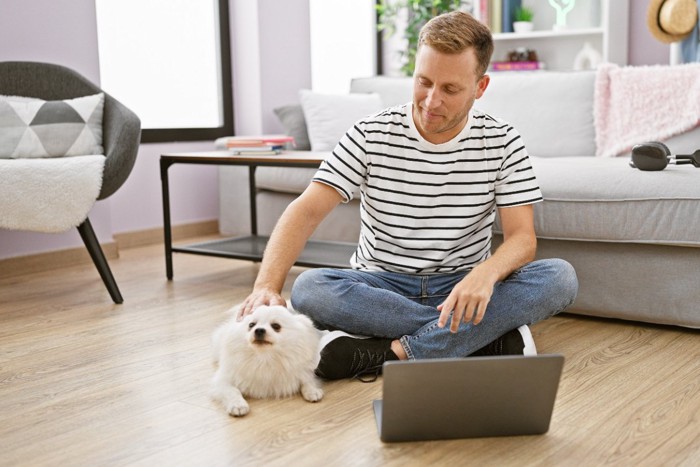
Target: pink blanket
(644, 103)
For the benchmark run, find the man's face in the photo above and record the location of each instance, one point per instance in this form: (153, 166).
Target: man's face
(445, 87)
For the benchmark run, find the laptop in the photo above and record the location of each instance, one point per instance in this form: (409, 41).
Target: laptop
(467, 397)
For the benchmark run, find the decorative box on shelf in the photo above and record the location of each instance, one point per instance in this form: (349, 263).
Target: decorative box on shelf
(517, 66)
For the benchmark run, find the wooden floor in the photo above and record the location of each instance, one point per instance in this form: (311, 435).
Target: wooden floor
(84, 382)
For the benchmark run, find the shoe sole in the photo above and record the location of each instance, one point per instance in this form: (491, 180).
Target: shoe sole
(328, 336)
(529, 349)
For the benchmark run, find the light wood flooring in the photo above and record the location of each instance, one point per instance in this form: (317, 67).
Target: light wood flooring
(84, 382)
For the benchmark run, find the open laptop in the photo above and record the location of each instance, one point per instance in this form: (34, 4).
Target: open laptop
(467, 397)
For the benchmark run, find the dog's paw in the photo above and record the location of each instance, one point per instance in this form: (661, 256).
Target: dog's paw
(238, 409)
(311, 393)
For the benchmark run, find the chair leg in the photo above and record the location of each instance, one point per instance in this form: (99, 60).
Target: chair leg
(93, 247)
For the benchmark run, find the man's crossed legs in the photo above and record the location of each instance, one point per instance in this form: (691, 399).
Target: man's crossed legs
(388, 306)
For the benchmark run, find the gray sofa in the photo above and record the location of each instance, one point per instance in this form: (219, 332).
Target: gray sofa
(632, 236)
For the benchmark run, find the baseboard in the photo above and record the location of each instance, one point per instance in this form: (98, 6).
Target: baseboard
(52, 260)
(153, 236)
(75, 256)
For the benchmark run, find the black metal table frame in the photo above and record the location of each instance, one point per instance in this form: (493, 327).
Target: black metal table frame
(253, 244)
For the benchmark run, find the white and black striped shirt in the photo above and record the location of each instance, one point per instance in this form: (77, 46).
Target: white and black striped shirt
(428, 208)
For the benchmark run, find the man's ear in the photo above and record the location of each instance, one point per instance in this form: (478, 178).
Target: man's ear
(481, 85)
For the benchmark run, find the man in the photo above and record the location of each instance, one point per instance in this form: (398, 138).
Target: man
(431, 175)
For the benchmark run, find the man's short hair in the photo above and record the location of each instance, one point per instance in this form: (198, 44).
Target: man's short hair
(455, 32)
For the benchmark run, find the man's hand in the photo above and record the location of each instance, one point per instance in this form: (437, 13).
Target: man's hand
(287, 241)
(258, 298)
(468, 299)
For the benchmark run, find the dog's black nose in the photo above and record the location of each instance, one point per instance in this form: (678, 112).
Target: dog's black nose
(260, 333)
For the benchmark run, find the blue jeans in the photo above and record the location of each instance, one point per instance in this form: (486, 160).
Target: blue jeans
(404, 306)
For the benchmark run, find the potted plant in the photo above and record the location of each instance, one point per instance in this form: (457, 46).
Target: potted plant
(523, 19)
(413, 14)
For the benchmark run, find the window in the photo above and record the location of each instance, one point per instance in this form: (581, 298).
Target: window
(168, 61)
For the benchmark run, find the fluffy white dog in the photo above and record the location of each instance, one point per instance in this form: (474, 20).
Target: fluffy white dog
(271, 353)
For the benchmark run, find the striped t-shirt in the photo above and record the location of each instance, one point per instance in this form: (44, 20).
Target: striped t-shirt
(428, 208)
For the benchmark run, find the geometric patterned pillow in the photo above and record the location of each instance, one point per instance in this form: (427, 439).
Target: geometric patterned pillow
(37, 128)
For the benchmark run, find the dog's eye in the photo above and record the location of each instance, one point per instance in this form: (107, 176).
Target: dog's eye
(276, 327)
(252, 323)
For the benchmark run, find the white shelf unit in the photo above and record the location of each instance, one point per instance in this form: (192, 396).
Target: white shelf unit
(601, 23)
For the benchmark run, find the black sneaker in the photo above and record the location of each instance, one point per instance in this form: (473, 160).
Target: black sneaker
(346, 356)
(516, 342)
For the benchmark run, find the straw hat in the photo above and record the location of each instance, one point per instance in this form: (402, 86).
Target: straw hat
(672, 20)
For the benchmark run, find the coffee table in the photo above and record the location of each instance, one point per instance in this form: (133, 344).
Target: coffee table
(249, 247)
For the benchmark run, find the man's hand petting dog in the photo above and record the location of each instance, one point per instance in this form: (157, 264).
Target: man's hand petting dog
(258, 298)
(269, 353)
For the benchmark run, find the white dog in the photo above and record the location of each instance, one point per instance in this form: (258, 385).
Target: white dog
(271, 353)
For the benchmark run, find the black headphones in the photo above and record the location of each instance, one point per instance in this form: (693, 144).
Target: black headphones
(656, 156)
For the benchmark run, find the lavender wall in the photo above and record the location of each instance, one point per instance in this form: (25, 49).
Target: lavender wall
(643, 48)
(64, 32)
(59, 31)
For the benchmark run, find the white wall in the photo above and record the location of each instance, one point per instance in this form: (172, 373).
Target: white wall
(271, 62)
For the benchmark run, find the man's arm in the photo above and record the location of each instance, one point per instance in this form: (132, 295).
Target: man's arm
(470, 297)
(286, 243)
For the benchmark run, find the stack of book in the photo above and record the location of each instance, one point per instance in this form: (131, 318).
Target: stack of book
(498, 15)
(258, 145)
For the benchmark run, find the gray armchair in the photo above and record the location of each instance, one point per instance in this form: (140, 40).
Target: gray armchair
(121, 135)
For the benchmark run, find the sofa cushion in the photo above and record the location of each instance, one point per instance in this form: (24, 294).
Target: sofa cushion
(292, 119)
(587, 199)
(553, 111)
(603, 199)
(329, 116)
(393, 91)
(283, 179)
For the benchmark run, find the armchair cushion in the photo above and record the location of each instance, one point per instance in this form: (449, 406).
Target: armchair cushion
(48, 195)
(31, 128)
